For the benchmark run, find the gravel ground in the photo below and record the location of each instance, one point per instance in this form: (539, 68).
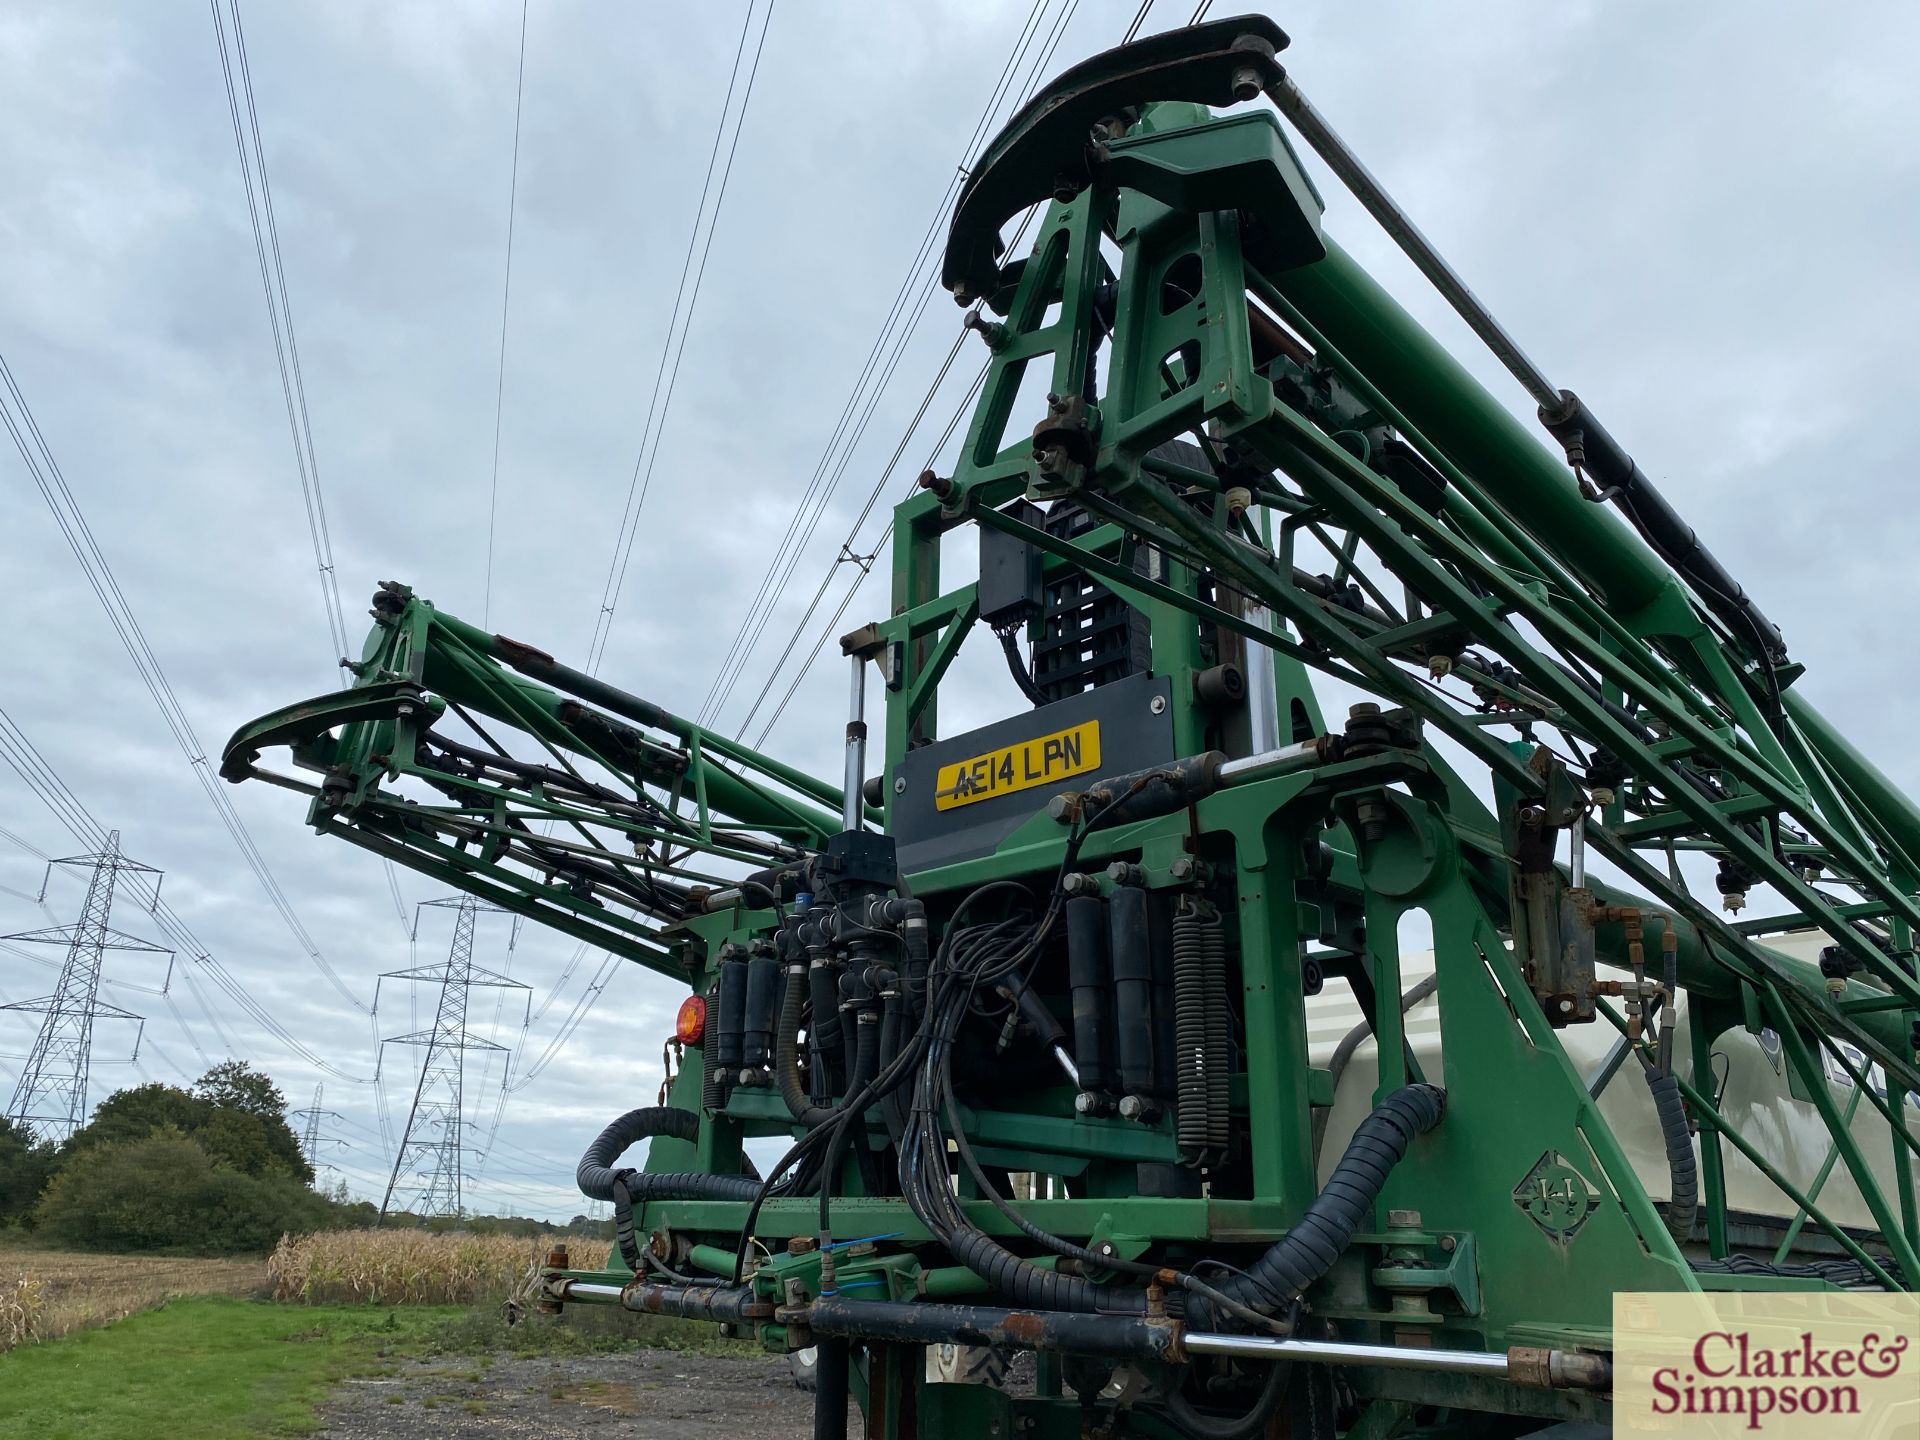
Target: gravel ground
(659, 1395)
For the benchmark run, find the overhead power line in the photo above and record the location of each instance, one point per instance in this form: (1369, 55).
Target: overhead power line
(26, 761)
(896, 330)
(506, 294)
(273, 284)
(661, 401)
(18, 418)
(849, 547)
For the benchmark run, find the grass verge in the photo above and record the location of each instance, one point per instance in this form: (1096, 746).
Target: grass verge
(206, 1368)
(217, 1368)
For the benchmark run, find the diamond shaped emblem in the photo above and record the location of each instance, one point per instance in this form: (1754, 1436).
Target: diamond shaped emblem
(1556, 1197)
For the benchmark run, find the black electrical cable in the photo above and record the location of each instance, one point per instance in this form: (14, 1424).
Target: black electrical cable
(1017, 664)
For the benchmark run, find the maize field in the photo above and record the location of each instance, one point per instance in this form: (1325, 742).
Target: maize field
(409, 1267)
(48, 1293)
(21, 1302)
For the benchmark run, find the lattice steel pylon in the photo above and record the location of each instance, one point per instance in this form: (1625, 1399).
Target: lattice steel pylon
(51, 1097)
(432, 1150)
(311, 1140)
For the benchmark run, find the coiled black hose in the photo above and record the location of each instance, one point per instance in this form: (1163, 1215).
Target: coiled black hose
(1308, 1250)
(595, 1175)
(1684, 1205)
(598, 1180)
(1030, 1287)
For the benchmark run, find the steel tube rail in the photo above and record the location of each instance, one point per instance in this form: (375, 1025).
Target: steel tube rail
(851, 808)
(1340, 158)
(1340, 1352)
(1559, 1369)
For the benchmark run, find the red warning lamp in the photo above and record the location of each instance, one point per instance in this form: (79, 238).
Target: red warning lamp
(690, 1025)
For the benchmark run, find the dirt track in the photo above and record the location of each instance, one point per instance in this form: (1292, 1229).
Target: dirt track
(660, 1395)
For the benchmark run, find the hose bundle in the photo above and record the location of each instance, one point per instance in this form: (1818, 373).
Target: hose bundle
(598, 1180)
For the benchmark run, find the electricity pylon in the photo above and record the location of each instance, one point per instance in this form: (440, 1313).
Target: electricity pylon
(51, 1097)
(432, 1151)
(310, 1137)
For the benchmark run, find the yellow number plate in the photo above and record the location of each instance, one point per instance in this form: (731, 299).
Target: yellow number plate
(1039, 761)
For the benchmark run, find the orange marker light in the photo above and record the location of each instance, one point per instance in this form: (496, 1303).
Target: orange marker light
(690, 1025)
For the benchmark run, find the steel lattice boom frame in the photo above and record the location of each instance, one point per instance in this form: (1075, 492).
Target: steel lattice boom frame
(1580, 748)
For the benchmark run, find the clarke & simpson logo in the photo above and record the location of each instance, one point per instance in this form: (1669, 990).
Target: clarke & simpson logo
(1782, 1365)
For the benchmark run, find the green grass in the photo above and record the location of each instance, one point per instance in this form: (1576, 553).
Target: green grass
(214, 1368)
(204, 1369)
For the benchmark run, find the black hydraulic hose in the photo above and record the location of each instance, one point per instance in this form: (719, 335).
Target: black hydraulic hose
(1308, 1250)
(786, 1053)
(893, 1025)
(1086, 1257)
(831, 1354)
(595, 1175)
(849, 1129)
(1017, 667)
(1684, 1205)
(913, 934)
(1236, 1427)
(825, 1035)
(1350, 1042)
(599, 1181)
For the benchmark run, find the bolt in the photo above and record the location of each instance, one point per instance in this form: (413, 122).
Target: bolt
(930, 481)
(1246, 84)
(1403, 1219)
(1366, 710)
(1448, 1243)
(1182, 867)
(1158, 705)
(899, 784)
(1439, 666)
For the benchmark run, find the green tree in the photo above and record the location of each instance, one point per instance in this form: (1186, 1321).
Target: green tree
(233, 1085)
(138, 1111)
(236, 1114)
(145, 1195)
(25, 1167)
(164, 1192)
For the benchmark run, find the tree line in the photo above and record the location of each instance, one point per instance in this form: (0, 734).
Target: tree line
(210, 1169)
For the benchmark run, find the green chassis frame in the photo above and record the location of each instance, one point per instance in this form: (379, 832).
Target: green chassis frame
(1512, 562)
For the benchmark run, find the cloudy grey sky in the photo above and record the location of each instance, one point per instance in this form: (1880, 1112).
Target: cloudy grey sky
(1701, 216)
